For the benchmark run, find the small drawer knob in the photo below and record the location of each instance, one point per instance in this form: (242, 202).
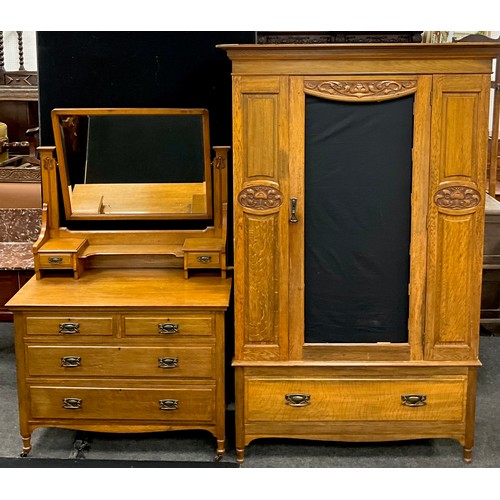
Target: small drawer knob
(204, 259)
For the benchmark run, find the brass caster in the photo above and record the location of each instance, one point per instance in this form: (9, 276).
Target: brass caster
(23, 454)
(218, 457)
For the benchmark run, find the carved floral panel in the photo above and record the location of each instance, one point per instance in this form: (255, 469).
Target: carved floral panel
(457, 198)
(260, 198)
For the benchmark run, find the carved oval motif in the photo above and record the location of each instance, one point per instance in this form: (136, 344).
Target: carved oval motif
(260, 198)
(354, 90)
(457, 198)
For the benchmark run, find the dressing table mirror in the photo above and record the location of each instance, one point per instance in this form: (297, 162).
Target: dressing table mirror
(134, 164)
(122, 328)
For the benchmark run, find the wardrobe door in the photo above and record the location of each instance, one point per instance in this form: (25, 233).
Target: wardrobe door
(358, 168)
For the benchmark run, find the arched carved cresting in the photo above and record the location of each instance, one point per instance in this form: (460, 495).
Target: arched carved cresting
(348, 89)
(456, 206)
(260, 215)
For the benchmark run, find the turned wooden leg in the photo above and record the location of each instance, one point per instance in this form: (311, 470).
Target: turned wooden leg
(221, 449)
(467, 455)
(240, 455)
(26, 445)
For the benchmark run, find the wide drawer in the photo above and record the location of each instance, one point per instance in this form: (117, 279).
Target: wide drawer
(119, 361)
(176, 325)
(318, 400)
(192, 403)
(65, 326)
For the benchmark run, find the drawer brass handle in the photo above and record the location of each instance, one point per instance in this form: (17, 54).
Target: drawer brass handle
(204, 259)
(69, 328)
(169, 404)
(168, 362)
(297, 399)
(413, 400)
(71, 361)
(55, 260)
(72, 403)
(168, 328)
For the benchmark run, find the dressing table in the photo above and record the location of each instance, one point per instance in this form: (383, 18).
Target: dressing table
(122, 327)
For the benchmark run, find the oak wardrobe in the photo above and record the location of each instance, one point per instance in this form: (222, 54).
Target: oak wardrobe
(359, 188)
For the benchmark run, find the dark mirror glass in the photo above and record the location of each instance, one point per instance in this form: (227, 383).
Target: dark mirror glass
(134, 164)
(358, 185)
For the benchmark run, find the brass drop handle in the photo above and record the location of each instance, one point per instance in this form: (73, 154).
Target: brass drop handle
(204, 259)
(71, 361)
(69, 328)
(55, 260)
(293, 216)
(297, 399)
(72, 403)
(168, 328)
(413, 400)
(168, 362)
(169, 404)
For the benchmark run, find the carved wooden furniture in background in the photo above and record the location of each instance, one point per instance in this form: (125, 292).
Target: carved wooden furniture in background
(490, 293)
(269, 37)
(131, 345)
(494, 151)
(366, 335)
(19, 102)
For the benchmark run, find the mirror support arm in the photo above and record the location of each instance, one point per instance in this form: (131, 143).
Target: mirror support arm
(220, 188)
(49, 185)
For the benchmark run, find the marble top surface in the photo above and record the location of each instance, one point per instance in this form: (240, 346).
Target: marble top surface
(16, 256)
(20, 224)
(19, 229)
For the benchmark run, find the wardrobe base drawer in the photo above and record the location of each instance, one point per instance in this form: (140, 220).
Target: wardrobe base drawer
(193, 403)
(353, 399)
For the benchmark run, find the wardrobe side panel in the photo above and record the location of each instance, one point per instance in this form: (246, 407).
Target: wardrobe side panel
(456, 215)
(260, 139)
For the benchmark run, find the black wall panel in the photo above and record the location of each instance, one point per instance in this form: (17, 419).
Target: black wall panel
(137, 69)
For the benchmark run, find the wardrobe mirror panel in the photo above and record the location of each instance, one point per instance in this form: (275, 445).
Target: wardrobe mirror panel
(358, 161)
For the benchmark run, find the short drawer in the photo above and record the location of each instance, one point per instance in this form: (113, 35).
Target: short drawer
(295, 400)
(203, 259)
(166, 326)
(111, 361)
(55, 260)
(174, 404)
(69, 326)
